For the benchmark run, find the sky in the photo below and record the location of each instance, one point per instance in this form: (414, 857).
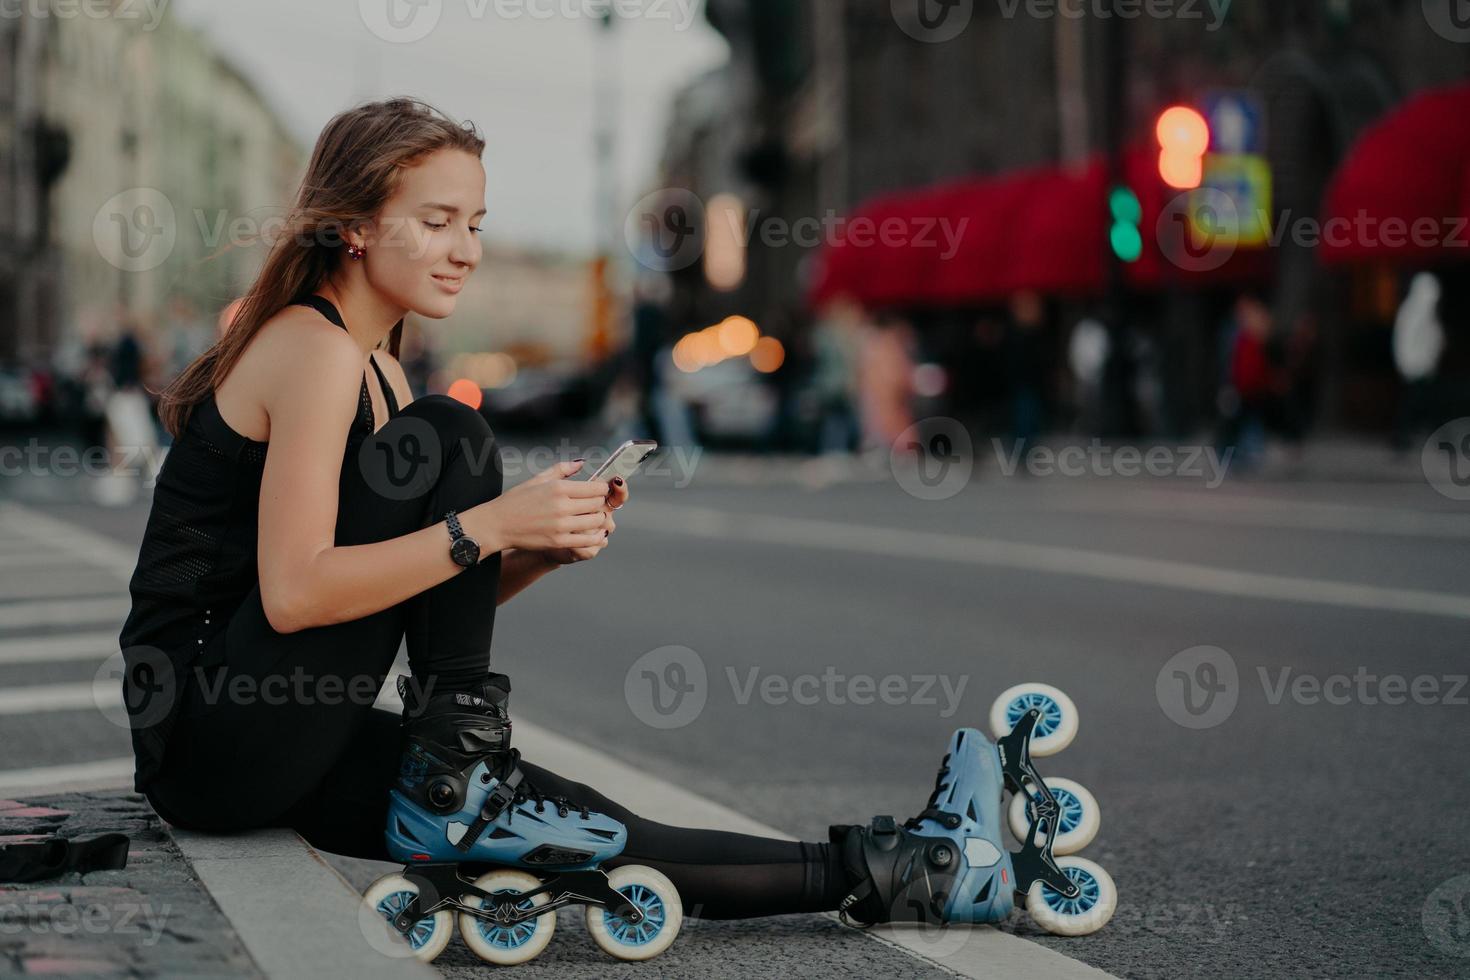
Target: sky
(524, 71)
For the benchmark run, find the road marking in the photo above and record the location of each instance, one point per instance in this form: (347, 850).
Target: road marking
(805, 532)
(970, 951)
(102, 774)
(1236, 510)
(89, 547)
(38, 699)
(65, 612)
(96, 647)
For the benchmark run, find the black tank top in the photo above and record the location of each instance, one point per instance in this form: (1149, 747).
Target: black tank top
(197, 562)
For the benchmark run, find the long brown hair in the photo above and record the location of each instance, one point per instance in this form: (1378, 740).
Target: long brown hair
(353, 172)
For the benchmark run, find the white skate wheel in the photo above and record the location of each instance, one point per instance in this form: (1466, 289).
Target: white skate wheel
(1078, 916)
(1054, 730)
(662, 908)
(507, 945)
(382, 902)
(1079, 821)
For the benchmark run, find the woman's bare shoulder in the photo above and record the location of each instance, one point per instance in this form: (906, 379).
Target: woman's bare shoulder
(290, 340)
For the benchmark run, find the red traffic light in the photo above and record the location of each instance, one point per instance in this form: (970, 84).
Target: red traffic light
(1184, 138)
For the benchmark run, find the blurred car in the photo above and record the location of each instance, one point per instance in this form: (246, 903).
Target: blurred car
(17, 397)
(728, 402)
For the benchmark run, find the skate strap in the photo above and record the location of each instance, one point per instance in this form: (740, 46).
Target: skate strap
(500, 797)
(944, 818)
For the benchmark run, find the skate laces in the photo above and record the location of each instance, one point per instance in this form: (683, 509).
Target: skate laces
(528, 790)
(931, 810)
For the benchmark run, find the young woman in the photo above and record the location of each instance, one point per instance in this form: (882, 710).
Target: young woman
(312, 513)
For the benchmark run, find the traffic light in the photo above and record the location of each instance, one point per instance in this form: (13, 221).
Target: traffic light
(1184, 138)
(1125, 236)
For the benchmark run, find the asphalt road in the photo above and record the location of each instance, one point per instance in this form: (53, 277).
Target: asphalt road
(1288, 801)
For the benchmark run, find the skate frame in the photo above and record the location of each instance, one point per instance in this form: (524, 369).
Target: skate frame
(444, 886)
(1034, 861)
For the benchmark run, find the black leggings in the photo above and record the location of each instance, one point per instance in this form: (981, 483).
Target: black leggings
(281, 729)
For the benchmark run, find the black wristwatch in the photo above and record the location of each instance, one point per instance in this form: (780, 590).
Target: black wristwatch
(464, 549)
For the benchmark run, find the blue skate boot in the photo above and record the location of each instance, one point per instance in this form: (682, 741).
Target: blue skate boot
(949, 863)
(461, 798)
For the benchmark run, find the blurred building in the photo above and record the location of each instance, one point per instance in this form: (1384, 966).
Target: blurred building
(828, 104)
(103, 106)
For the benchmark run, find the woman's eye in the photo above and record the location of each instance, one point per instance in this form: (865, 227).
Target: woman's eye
(474, 229)
(439, 227)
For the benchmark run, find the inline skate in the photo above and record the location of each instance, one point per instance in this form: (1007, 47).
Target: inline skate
(950, 864)
(462, 799)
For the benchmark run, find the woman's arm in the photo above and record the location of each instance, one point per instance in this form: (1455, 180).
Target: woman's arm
(518, 569)
(305, 579)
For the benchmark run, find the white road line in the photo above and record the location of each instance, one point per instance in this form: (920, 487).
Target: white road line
(65, 612)
(891, 542)
(89, 547)
(43, 588)
(103, 774)
(37, 699)
(96, 647)
(1291, 514)
(970, 951)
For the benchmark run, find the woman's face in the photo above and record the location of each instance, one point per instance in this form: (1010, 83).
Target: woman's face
(426, 240)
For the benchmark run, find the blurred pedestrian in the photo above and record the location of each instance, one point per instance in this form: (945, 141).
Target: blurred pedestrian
(1418, 342)
(836, 348)
(1248, 381)
(885, 380)
(1087, 355)
(132, 437)
(1026, 369)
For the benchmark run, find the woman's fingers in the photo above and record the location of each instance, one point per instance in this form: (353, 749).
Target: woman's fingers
(618, 495)
(584, 488)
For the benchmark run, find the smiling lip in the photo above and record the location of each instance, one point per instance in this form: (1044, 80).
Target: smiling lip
(451, 283)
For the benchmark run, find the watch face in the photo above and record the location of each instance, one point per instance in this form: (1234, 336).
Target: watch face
(465, 551)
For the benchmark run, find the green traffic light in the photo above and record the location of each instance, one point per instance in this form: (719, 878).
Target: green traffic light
(1125, 207)
(1127, 242)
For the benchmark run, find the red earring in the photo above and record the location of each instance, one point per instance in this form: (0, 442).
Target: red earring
(355, 251)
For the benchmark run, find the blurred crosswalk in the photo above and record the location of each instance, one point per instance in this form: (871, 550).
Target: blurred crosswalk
(63, 599)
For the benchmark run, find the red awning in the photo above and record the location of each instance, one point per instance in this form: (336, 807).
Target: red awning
(1403, 191)
(980, 241)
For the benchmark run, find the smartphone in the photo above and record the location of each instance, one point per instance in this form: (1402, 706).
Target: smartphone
(626, 459)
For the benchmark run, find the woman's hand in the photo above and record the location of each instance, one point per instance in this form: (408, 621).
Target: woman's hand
(547, 512)
(617, 496)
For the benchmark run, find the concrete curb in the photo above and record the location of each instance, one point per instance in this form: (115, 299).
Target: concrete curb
(294, 913)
